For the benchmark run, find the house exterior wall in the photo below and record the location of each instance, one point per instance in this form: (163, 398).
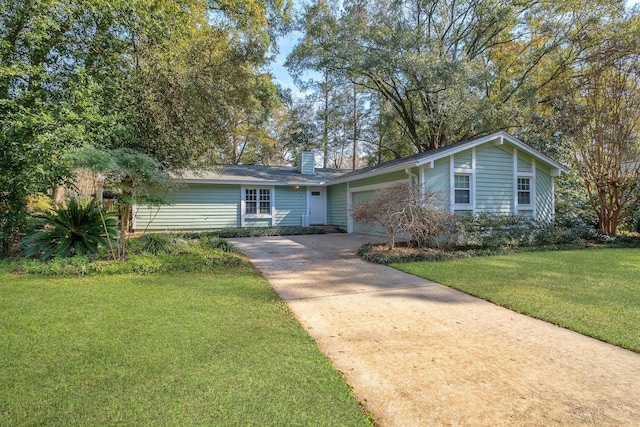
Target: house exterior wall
(436, 180)
(290, 205)
(463, 160)
(258, 222)
(494, 180)
(544, 194)
(210, 206)
(337, 211)
(524, 162)
(377, 180)
(495, 170)
(193, 207)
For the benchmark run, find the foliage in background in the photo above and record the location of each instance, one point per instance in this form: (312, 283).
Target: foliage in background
(450, 70)
(160, 253)
(133, 177)
(229, 233)
(77, 228)
(148, 254)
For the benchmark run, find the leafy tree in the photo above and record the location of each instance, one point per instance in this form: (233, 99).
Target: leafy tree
(157, 77)
(294, 128)
(450, 70)
(603, 117)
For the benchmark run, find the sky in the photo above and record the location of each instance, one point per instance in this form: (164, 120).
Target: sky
(285, 45)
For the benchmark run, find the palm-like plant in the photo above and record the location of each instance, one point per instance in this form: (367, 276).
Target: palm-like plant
(79, 228)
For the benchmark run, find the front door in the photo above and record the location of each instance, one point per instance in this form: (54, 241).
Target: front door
(317, 203)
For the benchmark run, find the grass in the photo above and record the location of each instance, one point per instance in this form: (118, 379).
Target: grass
(592, 291)
(215, 348)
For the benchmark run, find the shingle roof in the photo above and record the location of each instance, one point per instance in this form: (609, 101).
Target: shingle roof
(267, 175)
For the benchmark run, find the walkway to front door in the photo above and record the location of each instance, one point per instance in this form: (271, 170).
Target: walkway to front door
(420, 354)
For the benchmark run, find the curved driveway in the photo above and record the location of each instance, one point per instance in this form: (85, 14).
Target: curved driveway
(420, 354)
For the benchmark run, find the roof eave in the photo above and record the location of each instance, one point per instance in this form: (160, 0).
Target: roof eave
(250, 182)
(499, 137)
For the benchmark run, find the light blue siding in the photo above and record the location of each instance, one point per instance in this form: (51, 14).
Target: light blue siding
(544, 195)
(524, 162)
(337, 205)
(527, 213)
(380, 179)
(463, 160)
(436, 180)
(306, 163)
(290, 205)
(193, 207)
(257, 222)
(494, 180)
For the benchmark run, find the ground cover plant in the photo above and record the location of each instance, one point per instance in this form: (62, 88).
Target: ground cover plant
(595, 292)
(229, 233)
(211, 348)
(158, 253)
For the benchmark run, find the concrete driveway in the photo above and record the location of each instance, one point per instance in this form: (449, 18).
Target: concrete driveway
(420, 354)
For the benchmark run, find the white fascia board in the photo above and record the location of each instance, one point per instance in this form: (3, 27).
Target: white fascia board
(253, 183)
(395, 168)
(501, 136)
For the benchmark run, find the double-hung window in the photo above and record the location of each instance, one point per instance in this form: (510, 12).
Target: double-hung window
(257, 201)
(462, 188)
(524, 191)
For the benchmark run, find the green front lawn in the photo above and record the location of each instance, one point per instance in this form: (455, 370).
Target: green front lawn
(214, 348)
(595, 291)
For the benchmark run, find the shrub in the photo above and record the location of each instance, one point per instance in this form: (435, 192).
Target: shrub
(79, 228)
(157, 243)
(404, 209)
(229, 233)
(215, 242)
(369, 253)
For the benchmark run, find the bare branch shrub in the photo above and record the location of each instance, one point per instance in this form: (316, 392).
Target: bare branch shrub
(409, 211)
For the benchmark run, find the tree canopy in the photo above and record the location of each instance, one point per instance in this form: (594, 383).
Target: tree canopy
(450, 70)
(166, 78)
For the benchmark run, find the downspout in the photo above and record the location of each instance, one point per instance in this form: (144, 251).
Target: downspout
(412, 175)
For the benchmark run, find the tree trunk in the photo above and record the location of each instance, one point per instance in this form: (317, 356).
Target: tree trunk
(355, 126)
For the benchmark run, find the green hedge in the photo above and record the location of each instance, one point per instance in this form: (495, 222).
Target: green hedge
(229, 233)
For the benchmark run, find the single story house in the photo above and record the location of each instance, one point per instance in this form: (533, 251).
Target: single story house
(495, 173)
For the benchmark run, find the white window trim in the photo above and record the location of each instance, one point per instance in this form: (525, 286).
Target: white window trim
(532, 186)
(460, 188)
(521, 175)
(453, 171)
(243, 203)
